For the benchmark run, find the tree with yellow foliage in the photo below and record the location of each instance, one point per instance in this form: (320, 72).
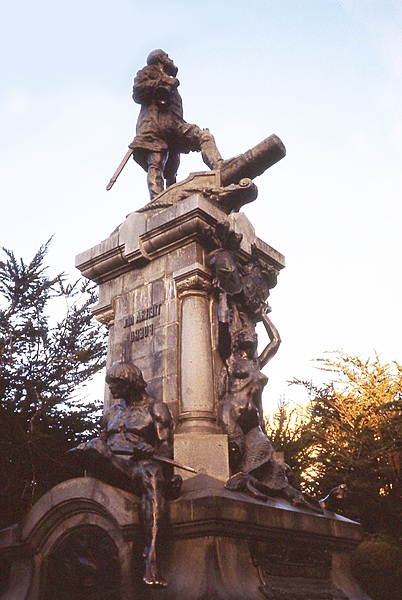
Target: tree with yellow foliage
(351, 432)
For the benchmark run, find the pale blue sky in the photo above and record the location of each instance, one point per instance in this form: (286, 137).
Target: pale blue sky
(326, 76)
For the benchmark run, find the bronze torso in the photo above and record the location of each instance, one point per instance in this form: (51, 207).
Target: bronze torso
(126, 424)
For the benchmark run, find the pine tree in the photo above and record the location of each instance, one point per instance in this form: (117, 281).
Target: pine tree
(42, 365)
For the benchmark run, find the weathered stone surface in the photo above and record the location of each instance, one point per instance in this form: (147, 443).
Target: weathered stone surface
(193, 285)
(146, 271)
(218, 544)
(68, 508)
(158, 297)
(207, 453)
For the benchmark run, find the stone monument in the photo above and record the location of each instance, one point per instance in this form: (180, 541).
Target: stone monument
(183, 281)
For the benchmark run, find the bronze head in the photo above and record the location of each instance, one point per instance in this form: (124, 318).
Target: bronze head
(160, 57)
(125, 380)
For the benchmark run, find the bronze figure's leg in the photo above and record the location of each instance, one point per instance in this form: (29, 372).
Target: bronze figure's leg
(171, 168)
(229, 413)
(98, 459)
(152, 509)
(156, 163)
(209, 151)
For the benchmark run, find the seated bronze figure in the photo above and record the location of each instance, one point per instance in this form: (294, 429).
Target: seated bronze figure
(133, 452)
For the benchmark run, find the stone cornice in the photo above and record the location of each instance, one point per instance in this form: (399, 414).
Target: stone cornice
(145, 236)
(192, 279)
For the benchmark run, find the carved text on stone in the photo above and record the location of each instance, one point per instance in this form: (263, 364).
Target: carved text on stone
(143, 314)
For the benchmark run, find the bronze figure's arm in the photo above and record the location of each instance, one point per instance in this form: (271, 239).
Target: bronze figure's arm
(272, 348)
(148, 80)
(164, 429)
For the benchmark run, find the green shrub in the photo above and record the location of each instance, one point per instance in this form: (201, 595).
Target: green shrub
(377, 564)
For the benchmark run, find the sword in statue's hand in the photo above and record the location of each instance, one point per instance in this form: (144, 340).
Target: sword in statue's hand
(158, 457)
(119, 169)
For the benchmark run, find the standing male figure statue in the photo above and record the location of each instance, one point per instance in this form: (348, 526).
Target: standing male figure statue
(136, 435)
(162, 133)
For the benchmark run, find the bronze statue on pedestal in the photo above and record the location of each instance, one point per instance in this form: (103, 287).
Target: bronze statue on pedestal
(243, 288)
(162, 135)
(134, 452)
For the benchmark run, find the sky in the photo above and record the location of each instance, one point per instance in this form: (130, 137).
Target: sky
(323, 75)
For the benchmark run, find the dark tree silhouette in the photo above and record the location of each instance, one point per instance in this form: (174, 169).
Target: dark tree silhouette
(43, 363)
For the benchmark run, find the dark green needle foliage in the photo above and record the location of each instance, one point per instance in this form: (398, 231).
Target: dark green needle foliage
(43, 364)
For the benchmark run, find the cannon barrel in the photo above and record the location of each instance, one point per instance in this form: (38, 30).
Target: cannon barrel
(253, 162)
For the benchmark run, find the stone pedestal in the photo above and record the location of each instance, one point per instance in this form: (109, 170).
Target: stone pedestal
(196, 384)
(205, 452)
(82, 540)
(156, 295)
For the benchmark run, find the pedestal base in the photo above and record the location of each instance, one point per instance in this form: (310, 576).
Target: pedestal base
(206, 453)
(218, 545)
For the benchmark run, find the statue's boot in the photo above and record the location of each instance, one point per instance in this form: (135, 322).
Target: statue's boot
(156, 163)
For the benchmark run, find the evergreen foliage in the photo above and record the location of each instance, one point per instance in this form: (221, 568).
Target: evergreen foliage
(289, 432)
(377, 563)
(42, 365)
(350, 432)
(356, 425)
